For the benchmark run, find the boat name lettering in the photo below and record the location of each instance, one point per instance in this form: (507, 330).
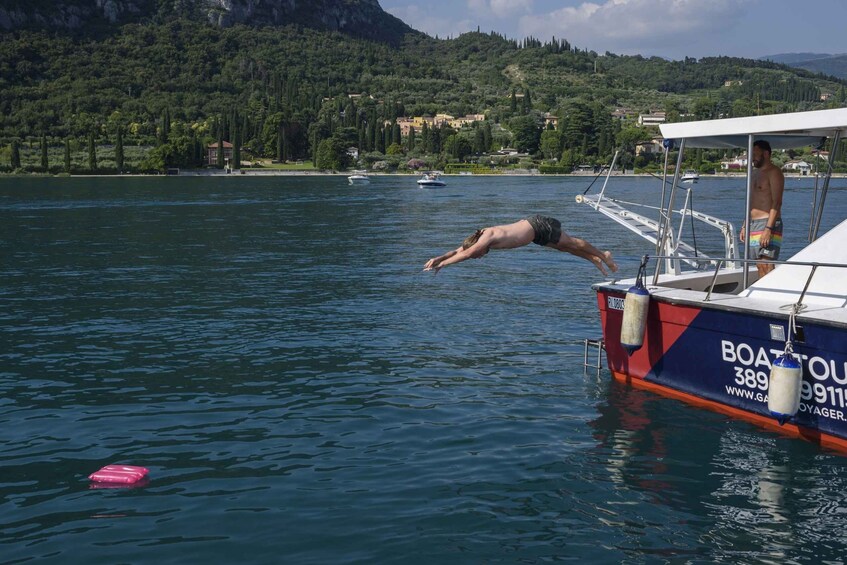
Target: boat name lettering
(817, 367)
(615, 303)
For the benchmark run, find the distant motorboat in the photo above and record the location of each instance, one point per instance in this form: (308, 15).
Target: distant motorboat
(431, 179)
(359, 177)
(690, 175)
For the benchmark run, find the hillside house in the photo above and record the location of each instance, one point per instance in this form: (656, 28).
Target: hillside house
(212, 150)
(797, 166)
(651, 119)
(652, 147)
(736, 164)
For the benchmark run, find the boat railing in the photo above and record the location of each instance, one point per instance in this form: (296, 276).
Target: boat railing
(815, 265)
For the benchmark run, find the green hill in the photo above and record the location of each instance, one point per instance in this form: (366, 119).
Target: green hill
(175, 81)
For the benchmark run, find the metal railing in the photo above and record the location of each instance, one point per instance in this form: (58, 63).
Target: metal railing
(720, 261)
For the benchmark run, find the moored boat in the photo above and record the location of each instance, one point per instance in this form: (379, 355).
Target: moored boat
(359, 177)
(431, 179)
(690, 175)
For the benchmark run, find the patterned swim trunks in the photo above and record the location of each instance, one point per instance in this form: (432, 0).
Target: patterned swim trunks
(757, 228)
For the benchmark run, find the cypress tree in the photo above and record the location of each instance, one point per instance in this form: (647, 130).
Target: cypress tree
(92, 153)
(220, 155)
(411, 139)
(513, 103)
(166, 126)
(68, 155)
(280, 139)
(236, 148)
(486, 131)
(425, 138)
(45, 164)
(396, 134)
(16, 155)
(119, 150)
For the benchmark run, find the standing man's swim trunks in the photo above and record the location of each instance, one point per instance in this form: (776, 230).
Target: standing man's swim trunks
(757, 228)
(547, 230)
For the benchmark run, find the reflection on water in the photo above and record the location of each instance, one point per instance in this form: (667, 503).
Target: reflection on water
(300, 391)
(756, 495)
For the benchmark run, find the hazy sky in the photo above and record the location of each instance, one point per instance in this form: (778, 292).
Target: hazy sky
(668, 28)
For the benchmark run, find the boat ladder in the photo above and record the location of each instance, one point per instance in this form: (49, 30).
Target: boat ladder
(593, 344)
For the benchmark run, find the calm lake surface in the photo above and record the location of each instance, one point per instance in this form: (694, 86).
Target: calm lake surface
(302, 393)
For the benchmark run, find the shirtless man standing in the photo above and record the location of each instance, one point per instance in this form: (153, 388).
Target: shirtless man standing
(536, 229)
(765, 207)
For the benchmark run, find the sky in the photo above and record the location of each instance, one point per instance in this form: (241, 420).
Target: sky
(667, 28)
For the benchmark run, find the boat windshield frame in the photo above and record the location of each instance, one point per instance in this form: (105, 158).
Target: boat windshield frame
(782, 131)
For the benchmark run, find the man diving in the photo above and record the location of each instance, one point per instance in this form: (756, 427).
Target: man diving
(537, 229)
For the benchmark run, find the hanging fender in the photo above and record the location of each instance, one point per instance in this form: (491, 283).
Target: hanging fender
(635, 308)
(784, 387)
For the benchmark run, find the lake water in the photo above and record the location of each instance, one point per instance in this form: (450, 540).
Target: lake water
(302, 393)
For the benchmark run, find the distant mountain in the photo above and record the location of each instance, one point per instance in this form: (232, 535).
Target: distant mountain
(826, 63)
(360, 18)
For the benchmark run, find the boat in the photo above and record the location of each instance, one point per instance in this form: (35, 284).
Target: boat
(359, 177)
(690, 175)
(715, 334)
(431, 179)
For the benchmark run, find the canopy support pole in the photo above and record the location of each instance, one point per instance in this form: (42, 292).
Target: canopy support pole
(666, 228)
(746, 273)
(836, 138)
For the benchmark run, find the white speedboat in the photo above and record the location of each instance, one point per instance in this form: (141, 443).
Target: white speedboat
(431, 179)
(690, 175)
(359, 177)
(771, 351)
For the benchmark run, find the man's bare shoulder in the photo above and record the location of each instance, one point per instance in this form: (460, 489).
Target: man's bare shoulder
(775, 174)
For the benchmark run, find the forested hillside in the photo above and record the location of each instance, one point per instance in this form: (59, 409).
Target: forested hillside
(174, 83)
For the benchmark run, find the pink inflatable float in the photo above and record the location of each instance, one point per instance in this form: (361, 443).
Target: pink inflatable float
(119, 474)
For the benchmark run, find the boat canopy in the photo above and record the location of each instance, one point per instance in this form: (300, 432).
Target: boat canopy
(782, 131)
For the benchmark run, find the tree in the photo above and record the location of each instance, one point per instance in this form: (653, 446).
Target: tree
(45, 164)
(568, 160)
(119, 150)
(220, 154)
(410, 140)
(236, 148)
(526, 134)
(551, 144)
(478, 140)
(328, 156)
(629, 137)
(165, 132)
(68, 155)
(425, 141)
(527, 102)
(513, 102)
(16, 155)
(396, 134)
(92, 153)
(458, 146)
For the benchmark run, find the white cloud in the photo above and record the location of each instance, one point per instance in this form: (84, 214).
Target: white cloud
(508, 8)
(432, 23)
(635, 26)
(499, 8)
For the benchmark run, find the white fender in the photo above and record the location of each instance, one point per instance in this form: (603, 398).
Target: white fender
(784, 387)
(635, 307)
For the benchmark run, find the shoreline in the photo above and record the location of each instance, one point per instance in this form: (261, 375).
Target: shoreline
(278, 173)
